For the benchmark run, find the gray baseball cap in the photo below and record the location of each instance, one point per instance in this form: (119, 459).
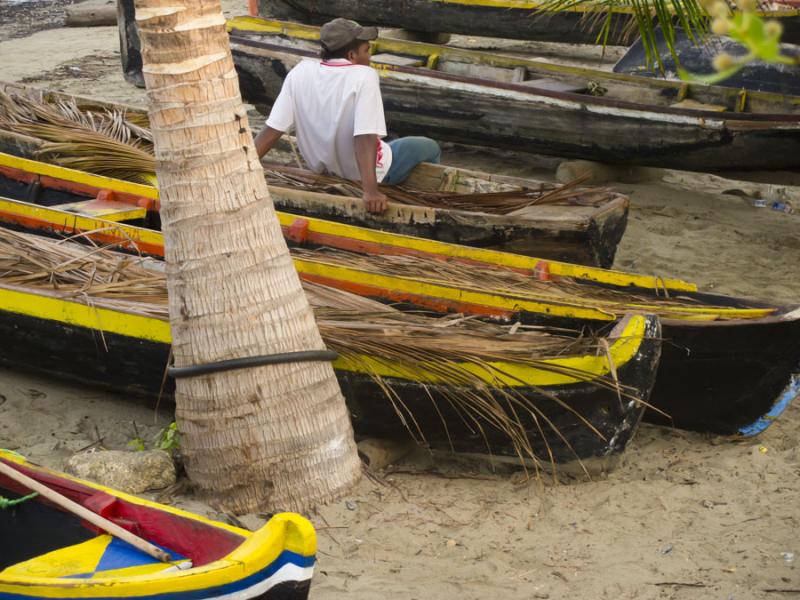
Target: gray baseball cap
(340, 32)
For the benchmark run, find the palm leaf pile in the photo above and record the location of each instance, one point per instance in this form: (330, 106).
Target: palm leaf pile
(435, 347)
(101, 140)
(562, 291)
(118, 144)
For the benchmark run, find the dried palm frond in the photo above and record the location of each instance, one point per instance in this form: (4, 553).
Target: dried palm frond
(561, 291)
(105, 142)
(464, 352)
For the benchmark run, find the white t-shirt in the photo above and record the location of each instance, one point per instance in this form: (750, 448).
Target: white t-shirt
(329, 103)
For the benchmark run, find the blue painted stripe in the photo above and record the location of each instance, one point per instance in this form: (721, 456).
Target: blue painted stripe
(786, 397)
(120, 555)
(285, 558)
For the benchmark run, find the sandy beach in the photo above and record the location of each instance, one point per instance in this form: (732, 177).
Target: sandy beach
(685, 516)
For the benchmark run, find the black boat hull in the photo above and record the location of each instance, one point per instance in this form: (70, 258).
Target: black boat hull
(136, 366)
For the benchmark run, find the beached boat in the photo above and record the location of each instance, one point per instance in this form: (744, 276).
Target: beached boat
(449, 204)
(49, 553)
(728, 366)
(515, 19)
(565, 396)
(522, 104)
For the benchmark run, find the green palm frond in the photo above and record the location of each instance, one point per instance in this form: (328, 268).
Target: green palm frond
(645, 17)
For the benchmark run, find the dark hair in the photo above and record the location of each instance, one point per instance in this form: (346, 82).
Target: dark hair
(326, 54)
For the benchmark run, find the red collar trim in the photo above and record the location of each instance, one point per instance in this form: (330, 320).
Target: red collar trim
(326, 63)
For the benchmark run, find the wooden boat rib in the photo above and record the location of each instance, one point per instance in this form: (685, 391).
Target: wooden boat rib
(515, 19)
(582, 226)
(47, 553)
(726, 365)
(527, 105)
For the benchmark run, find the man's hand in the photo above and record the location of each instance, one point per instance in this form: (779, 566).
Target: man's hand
(375, 201)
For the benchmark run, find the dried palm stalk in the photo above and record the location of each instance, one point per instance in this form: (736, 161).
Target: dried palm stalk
(437, 348)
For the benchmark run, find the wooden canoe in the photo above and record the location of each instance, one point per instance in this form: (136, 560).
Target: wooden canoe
(515, 19)
(523, 104)
(584, 226)
(729, 366)
(574, 394)
(48, 553)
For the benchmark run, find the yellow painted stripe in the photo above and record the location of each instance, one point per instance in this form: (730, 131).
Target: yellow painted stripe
(505, 259)
(74, 313)
(77, 222)
(35, 305)
(98, 181)
(504, 374)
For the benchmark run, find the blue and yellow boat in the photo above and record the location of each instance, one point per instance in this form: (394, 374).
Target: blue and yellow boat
(48, 553)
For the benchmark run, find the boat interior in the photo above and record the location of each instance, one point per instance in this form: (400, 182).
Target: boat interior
(50, 542)
(504, 72)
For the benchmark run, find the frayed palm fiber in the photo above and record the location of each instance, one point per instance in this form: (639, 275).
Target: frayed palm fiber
(353, 326)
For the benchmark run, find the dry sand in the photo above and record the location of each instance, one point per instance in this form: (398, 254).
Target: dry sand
(684, 516)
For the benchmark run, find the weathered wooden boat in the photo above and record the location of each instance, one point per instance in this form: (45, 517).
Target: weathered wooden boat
(547, 220)
(49, 553)
(728, 366)
(515, 19)
(761, 76)
(522, 104)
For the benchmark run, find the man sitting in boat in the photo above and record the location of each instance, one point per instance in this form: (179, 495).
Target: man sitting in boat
(337, 111)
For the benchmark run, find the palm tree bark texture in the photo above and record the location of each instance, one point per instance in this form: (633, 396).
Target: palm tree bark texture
(275, 437)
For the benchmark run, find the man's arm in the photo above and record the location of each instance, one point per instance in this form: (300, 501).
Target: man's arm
(366, 153)
(266, 140)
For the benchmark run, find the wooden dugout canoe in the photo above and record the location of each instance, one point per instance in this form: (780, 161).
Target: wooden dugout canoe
(514, 19)
(48, 553)
(522, 104)
(584, 227)
(579, 412)
(728, 365)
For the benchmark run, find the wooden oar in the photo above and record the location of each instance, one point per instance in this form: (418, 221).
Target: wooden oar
(85, 513)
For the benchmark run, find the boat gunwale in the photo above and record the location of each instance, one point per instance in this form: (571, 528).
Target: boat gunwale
(580, 100)
(274, 27)
(627, 330)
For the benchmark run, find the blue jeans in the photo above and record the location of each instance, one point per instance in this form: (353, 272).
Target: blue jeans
(407, 153)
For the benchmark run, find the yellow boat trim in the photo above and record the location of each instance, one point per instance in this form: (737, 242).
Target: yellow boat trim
(72, 221)
(284, 531)
(98, 181)
(153, 329)
(74, 313)
(117, 212)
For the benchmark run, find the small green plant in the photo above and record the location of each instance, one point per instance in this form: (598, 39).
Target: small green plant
(137, 444)
(169, 438)
(761, 37)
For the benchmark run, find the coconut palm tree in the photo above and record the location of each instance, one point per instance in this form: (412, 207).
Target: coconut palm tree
(267, 437)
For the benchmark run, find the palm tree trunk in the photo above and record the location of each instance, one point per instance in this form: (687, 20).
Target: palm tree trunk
(264, 438)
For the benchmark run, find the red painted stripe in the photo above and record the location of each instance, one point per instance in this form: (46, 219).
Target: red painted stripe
(199, 541)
